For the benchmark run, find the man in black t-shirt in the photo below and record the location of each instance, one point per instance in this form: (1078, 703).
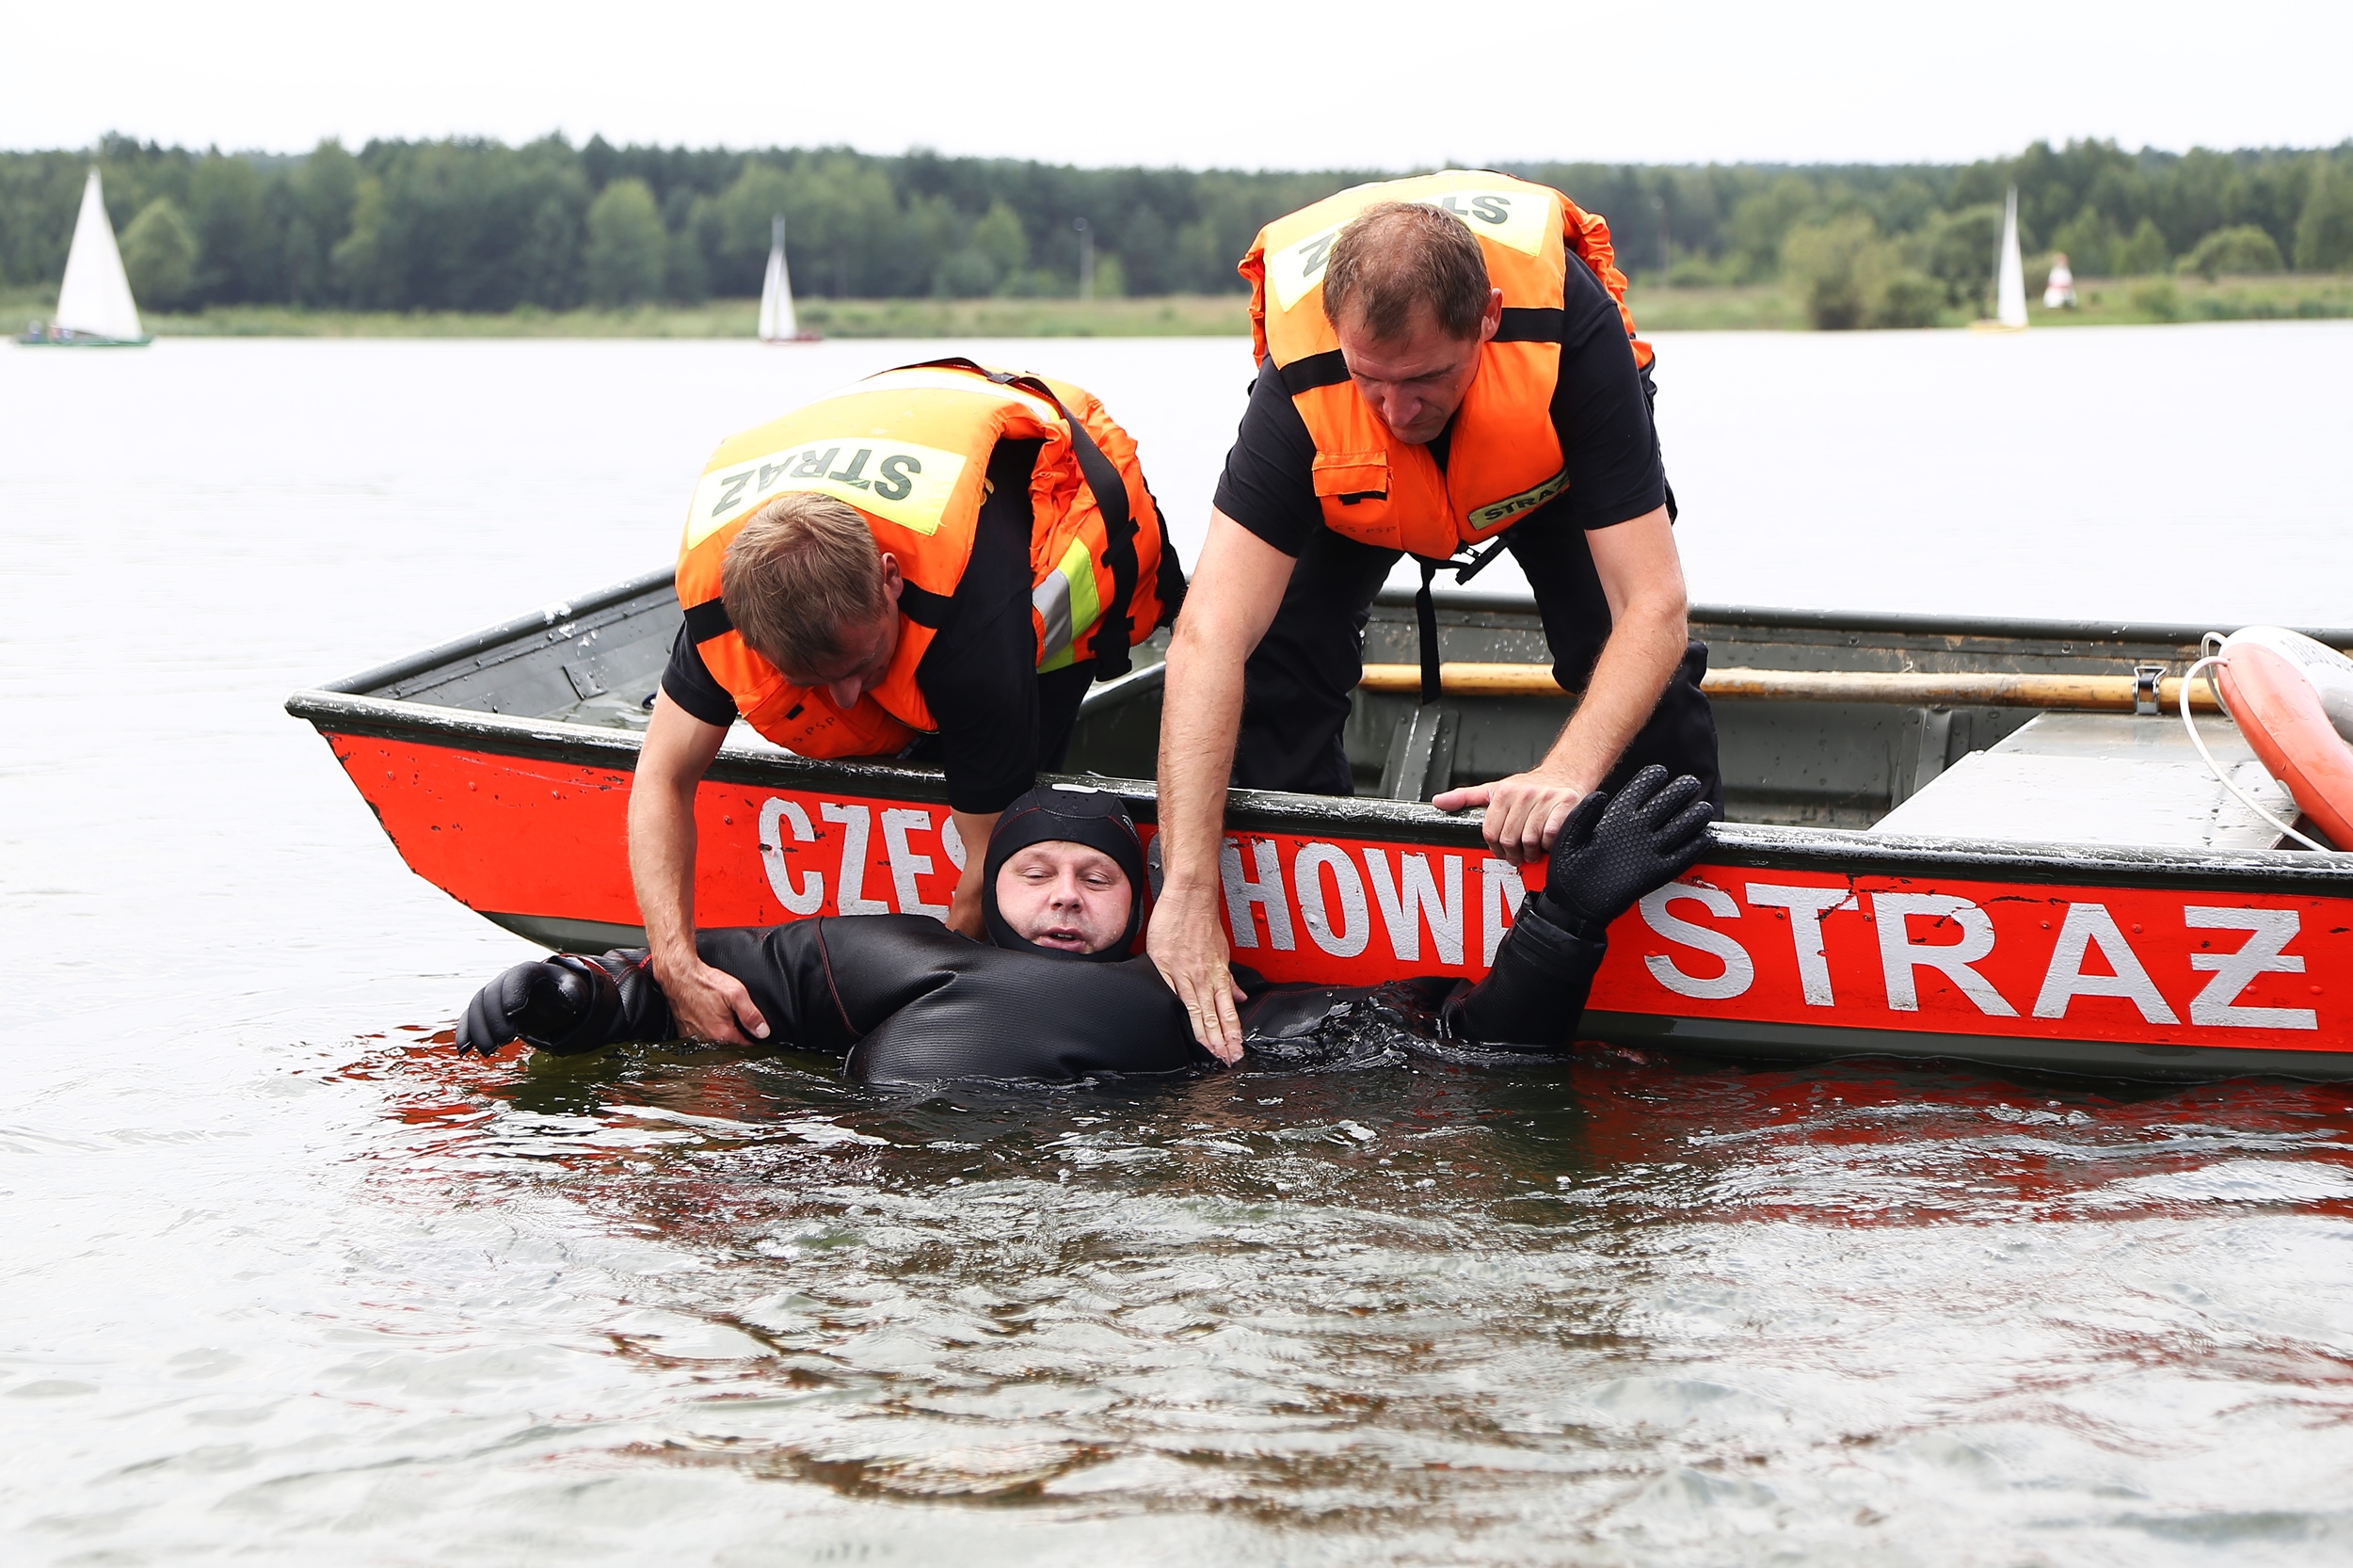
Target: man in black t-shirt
(1263, 662)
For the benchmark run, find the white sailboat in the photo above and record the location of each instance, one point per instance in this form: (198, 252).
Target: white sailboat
(777, 322)
(94, 305)
(2010, 276)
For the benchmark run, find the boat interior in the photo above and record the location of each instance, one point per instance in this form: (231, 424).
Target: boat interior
(2030, 731)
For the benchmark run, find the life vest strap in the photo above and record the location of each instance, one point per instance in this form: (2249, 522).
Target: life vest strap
(1532, 324)
(706, 620)
(1426, 610)
(1327, 369)
(923, 606)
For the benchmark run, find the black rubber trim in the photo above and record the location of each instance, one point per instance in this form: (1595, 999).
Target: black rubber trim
(1759, 1040)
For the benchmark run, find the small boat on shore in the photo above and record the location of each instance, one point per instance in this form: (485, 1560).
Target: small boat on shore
(94, 305)
(1990, 840)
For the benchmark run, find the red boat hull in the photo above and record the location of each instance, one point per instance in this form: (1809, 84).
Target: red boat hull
(1772, 945)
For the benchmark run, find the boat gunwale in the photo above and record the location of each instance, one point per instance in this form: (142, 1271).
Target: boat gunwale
(1833, 850)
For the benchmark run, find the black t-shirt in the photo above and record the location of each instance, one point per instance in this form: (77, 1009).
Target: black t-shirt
(980, 674)
(1600, 407)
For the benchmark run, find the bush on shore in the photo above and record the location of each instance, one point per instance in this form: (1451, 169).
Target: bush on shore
(1848, 276)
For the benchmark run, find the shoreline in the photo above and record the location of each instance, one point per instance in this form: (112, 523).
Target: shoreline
(1759, 307)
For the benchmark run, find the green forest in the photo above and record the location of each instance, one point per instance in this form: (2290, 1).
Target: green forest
(476, 226)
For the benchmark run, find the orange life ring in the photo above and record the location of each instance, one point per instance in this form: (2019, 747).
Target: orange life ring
(2292, 697)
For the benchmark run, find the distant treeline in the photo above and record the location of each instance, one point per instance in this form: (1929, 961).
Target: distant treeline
(479, 226)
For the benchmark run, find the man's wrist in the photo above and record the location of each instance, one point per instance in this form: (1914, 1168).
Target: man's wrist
(673, 956)
(1185, 890)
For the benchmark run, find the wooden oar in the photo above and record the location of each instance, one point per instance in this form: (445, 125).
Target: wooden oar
(1916, 689)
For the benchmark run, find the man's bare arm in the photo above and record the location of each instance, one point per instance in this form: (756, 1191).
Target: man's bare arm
(964, 904)
(706, 1004)
(1235, 588)
(1641, 574)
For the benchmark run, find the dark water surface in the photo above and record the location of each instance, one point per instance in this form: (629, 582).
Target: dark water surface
(287, 1282)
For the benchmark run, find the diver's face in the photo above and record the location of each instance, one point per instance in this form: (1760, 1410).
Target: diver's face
(1064, 895)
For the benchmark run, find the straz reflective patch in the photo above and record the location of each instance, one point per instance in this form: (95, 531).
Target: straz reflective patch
(1518, 218)
(1496, 512)
(898, 481)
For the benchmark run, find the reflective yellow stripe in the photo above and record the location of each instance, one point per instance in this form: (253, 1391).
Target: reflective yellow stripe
(1067, 602)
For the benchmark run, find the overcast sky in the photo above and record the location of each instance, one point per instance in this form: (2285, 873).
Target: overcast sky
(1278, 85)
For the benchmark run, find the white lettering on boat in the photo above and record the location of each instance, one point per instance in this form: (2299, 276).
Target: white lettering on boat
(1408, 900)
(855, 822)
(1740, 970)
(1900, 957)
(2264, 953)
(2086, 926)
(1501, 890)
(810, 896)
(1350, 935)
(905, 865)
(1263, 891)
(1807, 906)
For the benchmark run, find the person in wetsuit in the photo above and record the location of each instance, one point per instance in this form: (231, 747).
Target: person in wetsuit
(1055, 996)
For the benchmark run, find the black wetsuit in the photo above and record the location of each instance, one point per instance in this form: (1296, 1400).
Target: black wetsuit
(905, 1002)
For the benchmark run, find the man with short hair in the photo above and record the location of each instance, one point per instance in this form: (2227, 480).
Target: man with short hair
(1056, 996)
(1443, 361)
(935, 563)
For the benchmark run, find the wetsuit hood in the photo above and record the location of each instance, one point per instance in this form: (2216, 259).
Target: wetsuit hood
(1077, 814)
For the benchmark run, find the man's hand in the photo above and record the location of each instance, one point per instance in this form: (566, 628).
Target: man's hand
(1524, 812)
(710, 1004)
(1237, 587)
(1641, 577)
(964, 904)
(1188, 946)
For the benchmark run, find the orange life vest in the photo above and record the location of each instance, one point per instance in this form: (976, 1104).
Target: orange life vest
(909, 449)
(1503, 457)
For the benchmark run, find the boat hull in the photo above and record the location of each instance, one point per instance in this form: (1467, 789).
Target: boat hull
(79, 341)
(1783, 943)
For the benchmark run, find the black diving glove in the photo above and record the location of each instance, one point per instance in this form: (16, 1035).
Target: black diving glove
(1613, 849)
(567, 1005)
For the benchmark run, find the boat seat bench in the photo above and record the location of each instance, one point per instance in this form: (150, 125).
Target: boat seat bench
(2100, 779)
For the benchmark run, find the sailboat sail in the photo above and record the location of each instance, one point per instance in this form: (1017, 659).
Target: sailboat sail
(95, 298)
(2009, 287)
(776, 324)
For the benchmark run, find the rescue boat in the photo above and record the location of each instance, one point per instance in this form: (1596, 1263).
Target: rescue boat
(1989, 840)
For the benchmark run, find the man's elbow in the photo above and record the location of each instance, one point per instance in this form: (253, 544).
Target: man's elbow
(1658, 609)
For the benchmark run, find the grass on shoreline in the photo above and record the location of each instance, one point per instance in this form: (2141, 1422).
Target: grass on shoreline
(2102, 302)
(1219, 316)
(1761, 307)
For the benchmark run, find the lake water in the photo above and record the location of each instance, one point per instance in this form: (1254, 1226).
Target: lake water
(286, 1282)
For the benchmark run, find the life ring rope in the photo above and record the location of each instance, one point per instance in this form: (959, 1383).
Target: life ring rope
(2199, 741)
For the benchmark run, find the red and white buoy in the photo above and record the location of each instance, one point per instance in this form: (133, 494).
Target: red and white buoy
(2292, 697)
